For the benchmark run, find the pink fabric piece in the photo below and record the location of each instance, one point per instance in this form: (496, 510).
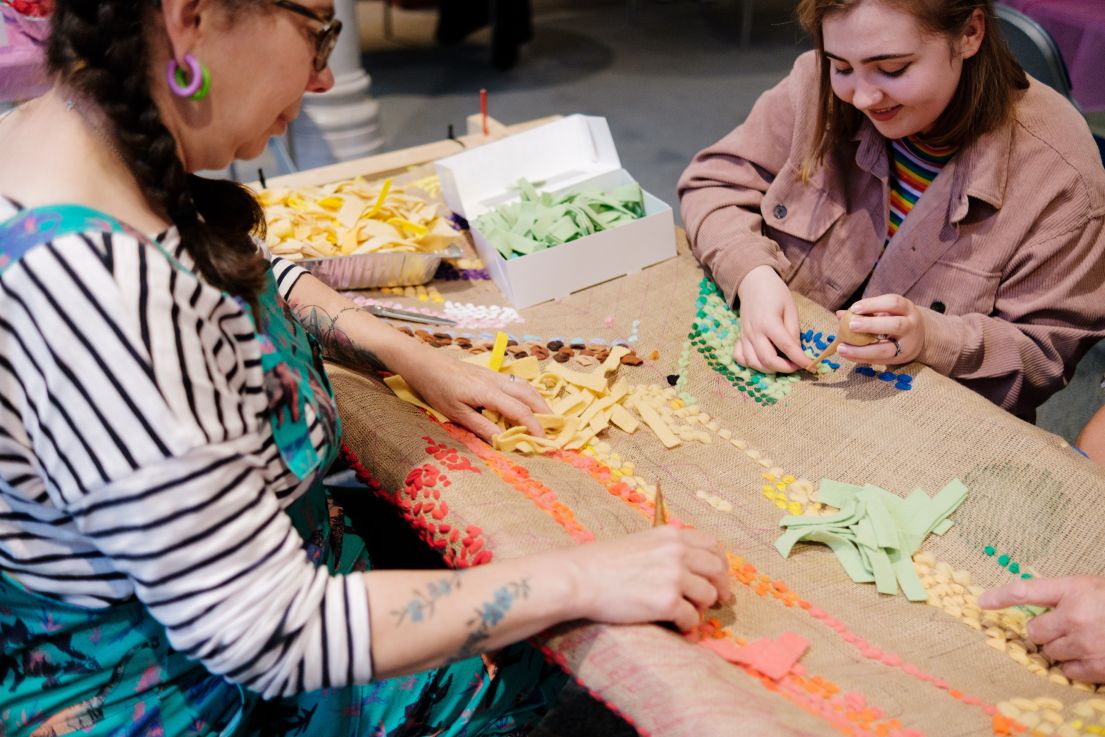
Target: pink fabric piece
(774, 658)
(724, 648)
(891, 659)
(855, 700)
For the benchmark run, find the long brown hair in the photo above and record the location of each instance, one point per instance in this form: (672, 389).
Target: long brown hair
(101, 50)
(983, 100)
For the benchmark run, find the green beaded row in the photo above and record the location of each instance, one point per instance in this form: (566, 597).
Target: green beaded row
(1006, 562)
(715, 331)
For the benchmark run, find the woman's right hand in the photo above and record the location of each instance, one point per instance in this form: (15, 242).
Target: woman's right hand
(769, 324)
(666, 574)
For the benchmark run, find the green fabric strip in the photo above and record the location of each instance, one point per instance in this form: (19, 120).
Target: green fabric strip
(875, 532)
(540, 220)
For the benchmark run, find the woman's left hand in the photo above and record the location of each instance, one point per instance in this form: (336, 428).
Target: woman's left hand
(459, 390)
(893, 318)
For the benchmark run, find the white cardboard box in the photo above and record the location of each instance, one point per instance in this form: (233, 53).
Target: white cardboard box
(576, 152)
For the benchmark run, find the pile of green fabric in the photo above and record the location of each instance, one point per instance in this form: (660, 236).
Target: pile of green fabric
(876, 532)
(541, 220)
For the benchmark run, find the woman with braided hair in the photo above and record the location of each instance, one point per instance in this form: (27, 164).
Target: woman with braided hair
(169, 561)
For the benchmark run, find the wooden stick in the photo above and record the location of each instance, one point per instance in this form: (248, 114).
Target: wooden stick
(483, 110)
(660, 513)
(844, 334)
(812, 367)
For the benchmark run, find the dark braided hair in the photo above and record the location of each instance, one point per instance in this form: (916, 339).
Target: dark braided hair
(100, 51)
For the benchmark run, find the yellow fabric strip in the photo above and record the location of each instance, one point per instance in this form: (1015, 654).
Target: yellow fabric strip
(402, 390)
(498, 352)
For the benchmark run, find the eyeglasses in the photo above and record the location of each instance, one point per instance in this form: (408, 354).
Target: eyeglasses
(326, 37)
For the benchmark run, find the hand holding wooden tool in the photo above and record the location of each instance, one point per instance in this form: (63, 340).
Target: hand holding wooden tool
(659, 519)
(844, 334)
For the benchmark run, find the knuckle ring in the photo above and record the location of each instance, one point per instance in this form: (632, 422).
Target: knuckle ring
(897, 347)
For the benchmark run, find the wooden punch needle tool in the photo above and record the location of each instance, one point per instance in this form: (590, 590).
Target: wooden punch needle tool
(844, 334)
(660, 513)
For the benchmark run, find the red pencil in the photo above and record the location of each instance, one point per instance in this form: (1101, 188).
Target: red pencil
(483, 109)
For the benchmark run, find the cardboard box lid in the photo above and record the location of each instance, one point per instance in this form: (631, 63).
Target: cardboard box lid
(553, 157)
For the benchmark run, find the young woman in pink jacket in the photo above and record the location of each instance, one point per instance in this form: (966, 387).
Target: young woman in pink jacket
(909, 170)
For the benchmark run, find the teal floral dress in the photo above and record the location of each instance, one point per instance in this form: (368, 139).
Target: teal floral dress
(65, 669)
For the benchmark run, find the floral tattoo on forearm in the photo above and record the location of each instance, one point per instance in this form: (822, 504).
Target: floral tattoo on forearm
(336, 343)
(421, 606)
(489, 615)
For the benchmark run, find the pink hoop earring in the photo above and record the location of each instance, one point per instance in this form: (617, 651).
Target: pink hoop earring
(200, 78)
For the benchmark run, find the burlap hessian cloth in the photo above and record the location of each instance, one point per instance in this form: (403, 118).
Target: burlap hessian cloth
(1030, 496)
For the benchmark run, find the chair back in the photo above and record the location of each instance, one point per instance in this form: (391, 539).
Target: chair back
(1034, 48)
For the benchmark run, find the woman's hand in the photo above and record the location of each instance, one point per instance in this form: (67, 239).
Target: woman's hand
(769, 324)
(1073, 632)
(889, 316)
(665, 574)
(459, 390)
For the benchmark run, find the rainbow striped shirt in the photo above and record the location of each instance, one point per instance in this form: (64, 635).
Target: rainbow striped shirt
(916, 164)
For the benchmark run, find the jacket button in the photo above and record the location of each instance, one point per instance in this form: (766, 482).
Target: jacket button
(780, 212)
(939, 306)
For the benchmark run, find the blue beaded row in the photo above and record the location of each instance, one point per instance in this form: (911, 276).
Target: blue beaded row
(903, 382)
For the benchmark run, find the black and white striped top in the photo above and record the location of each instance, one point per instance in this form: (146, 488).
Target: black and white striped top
(136, 459)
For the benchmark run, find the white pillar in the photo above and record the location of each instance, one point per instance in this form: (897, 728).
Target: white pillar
(344, 123)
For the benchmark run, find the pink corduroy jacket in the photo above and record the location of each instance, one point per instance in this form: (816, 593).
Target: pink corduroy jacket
(1004, 252)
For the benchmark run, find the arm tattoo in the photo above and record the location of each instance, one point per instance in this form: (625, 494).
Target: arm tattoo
(489, 615)
(336, 344)
(422, 605)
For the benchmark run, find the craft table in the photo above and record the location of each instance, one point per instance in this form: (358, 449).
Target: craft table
(877, 665)
(1078, 27)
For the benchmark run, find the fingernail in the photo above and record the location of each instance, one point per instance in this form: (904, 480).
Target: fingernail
(857, 323)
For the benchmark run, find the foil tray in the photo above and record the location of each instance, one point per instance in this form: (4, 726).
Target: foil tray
(379, 269)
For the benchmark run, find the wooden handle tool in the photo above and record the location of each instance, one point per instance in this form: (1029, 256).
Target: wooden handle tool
(844, 334)
(660, 513)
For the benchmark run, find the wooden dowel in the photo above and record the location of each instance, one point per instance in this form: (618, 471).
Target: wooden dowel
(660, 513)
(844, 334)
